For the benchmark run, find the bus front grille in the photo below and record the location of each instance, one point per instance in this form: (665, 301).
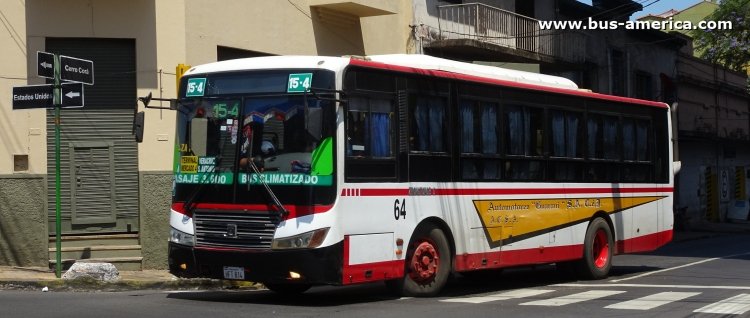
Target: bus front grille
(246, 230)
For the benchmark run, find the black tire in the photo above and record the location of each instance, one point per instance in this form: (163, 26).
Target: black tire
(598, 249)
(288, 289)
(424, 276)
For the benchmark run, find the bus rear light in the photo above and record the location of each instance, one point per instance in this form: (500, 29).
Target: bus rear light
(399, 247)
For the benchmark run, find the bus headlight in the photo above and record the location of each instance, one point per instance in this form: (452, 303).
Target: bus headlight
(310, 239)
(180, 237)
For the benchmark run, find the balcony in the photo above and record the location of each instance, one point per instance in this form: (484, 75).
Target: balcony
(481, 32)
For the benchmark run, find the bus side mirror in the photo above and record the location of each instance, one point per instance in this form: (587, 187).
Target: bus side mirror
(138, 121)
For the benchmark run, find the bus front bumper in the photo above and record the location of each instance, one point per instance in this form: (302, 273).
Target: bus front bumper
(320, 266)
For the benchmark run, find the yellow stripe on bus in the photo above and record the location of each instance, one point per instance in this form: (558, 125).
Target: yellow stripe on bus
(504, 220)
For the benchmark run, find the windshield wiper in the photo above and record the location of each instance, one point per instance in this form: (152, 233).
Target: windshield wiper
(282, 211)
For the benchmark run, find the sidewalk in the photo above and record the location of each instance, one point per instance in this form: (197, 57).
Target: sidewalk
(36, 278)
(704, 229)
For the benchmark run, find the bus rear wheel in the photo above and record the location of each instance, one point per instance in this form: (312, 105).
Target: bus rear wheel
(428, 265)
(598, 250)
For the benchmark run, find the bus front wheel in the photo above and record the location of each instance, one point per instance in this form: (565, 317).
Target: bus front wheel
(598, 250)
(428, 264)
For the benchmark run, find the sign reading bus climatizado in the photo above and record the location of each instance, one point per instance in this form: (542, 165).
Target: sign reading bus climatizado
(287, 179)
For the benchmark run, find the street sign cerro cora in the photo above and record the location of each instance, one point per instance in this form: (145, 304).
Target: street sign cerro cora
(76, 70)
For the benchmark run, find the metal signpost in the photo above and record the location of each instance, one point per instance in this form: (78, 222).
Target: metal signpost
(57, 95)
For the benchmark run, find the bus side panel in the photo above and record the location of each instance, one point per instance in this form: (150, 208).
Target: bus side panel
(371, 230)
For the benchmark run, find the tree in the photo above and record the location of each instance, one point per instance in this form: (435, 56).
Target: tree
(730, 48)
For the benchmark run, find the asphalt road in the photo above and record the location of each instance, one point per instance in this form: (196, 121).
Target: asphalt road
(700, 278)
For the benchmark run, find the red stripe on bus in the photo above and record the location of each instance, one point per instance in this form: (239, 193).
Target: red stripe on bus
(545, 255)
(520, 191)
(644, 243)
(353, 274)
(479, 79)
(542, 255)
(295, 211)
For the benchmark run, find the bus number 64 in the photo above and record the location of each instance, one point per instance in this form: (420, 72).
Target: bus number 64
(399, 209)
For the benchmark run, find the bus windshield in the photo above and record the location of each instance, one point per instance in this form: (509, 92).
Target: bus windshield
(288, 137)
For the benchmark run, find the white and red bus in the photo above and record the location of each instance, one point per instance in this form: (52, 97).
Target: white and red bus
(297, 171)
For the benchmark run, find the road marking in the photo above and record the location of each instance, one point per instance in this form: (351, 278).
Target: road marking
(678, 267)
(519, 293)
(575, 298)
(651, 301)
(736, 305)
(655, 286)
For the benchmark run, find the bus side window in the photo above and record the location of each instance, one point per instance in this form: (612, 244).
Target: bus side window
(370, 135)
(524, 137)
(369, 128)
(428, 124)
(566, 145)
(479, 141)
(603, 147)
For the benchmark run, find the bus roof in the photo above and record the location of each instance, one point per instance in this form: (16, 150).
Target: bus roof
(438, 64)
(273, 62)
(416, 63)
(419, 61)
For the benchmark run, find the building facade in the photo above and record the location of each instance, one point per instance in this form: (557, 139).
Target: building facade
(713, 129)
(114, 191)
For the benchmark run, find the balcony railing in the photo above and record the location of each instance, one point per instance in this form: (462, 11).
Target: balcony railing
(491, 25)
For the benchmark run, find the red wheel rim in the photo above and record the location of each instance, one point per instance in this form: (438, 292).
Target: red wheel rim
(424, 263)
(600, 249)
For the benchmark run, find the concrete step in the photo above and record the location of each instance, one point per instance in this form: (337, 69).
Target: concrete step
(96, 251)
(95, 240)
(121, 263)
(122, 250)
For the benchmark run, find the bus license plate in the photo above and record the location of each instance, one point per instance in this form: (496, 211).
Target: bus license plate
(234, 272)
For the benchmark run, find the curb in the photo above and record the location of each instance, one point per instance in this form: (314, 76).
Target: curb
(92, 285)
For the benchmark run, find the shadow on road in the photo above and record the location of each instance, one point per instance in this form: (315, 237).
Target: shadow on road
(460, 285)
(490, 281)
(324, 296)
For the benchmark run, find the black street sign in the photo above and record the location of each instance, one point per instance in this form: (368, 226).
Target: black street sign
(45, 64)
(72, 95)
(41, 96)
(32, 96)
(76, 70)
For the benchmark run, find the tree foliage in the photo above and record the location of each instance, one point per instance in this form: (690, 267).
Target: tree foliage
(730, 48)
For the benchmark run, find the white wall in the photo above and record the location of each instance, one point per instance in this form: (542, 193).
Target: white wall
(22, 132)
